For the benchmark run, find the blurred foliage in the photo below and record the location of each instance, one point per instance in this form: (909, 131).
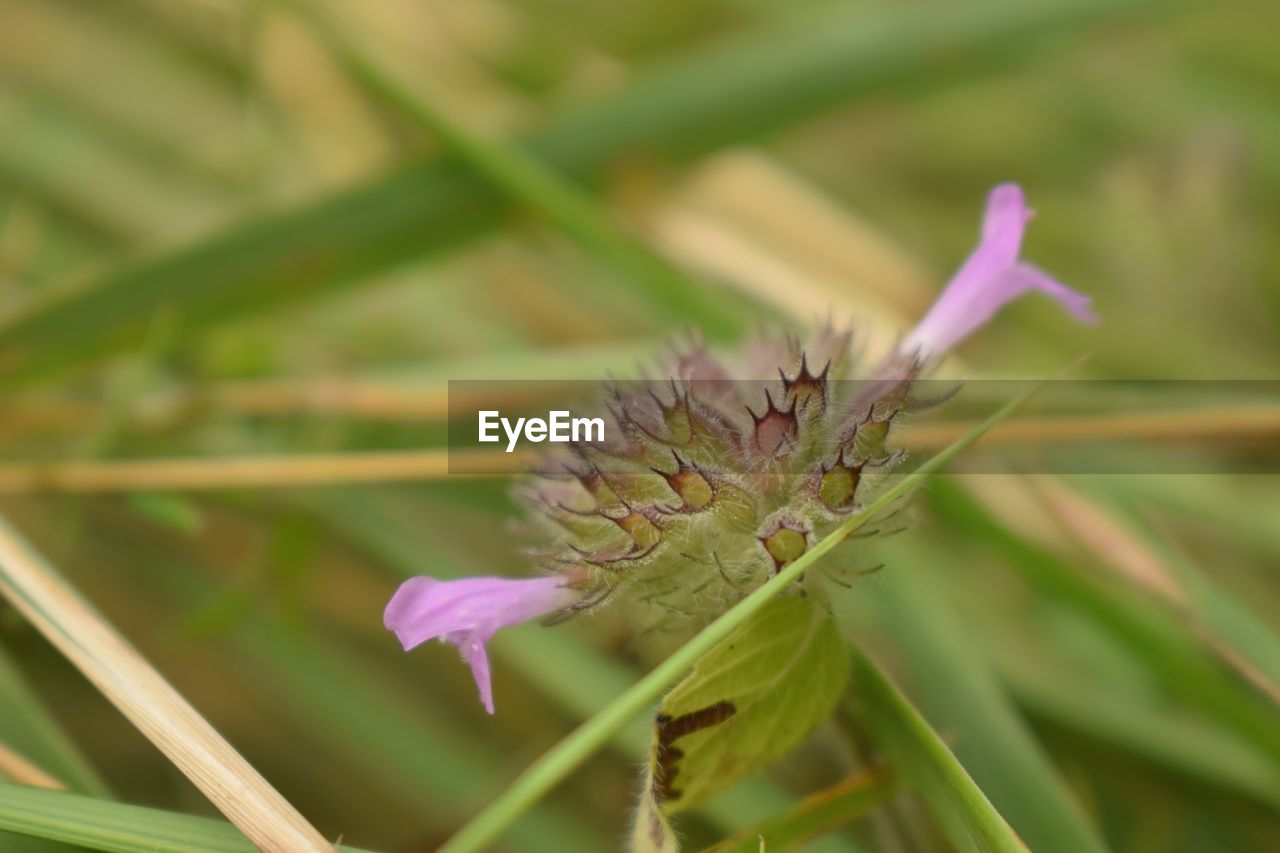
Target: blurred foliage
(214, 239)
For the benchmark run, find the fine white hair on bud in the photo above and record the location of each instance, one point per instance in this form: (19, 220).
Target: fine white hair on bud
(711, 483)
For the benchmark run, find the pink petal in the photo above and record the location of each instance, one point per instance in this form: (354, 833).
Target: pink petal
(1004, 221)
(467, 613)
(424, 607)
(990, 277)
(1077, 303)
(404, 610)
(473, 652)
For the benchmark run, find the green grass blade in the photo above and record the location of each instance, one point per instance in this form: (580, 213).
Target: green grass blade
(115, 827)
(561, 760)
(1157, 565)
(960, 695)
(27, 728)
(527, 181)
(55, 159)
(102, 825)
(1161, 641)
(1235, 632)
(919, 755)
(1221, 505)
(1225, 623)
(683, 108)
(1145, 727)
(26, 725)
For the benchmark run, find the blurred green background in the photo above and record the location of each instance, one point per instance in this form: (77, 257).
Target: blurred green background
(229, 231)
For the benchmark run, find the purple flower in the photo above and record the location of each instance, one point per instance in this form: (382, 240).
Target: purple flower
(468, 612)
(989, 278)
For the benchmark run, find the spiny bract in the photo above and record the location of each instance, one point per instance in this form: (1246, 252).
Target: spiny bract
(707, 483)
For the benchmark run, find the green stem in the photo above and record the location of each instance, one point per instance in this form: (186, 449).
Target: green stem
(967, 817)
(557, 763)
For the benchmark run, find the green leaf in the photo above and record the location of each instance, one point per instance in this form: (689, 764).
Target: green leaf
(919, 755)
(751, 699)
(651, 832)
(818, 814)
(176, 512)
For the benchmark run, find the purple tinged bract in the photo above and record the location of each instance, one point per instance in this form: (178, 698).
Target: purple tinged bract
(467, 613)
(991, 276)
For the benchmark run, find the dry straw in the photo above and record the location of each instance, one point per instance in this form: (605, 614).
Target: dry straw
(150, 703)
(16, 766)
(1243, 426)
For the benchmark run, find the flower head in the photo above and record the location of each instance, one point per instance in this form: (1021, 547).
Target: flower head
(468, 612)
(990, 277)
(710, 481)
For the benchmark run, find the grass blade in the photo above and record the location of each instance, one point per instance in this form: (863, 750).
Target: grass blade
(966, 815)
(1164, 645)
(527, 181)
(27, 726)
(561, 760)
(1242, 640)
(104, 825)
(1162, 735)
(116, 827)
(150, 703)
(683, 108)
(961, 695)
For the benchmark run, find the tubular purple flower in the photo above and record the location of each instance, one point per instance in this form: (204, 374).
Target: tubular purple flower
(990, 277)
(468, 612)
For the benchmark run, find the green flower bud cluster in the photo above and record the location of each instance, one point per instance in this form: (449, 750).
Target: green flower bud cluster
(708, 484)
